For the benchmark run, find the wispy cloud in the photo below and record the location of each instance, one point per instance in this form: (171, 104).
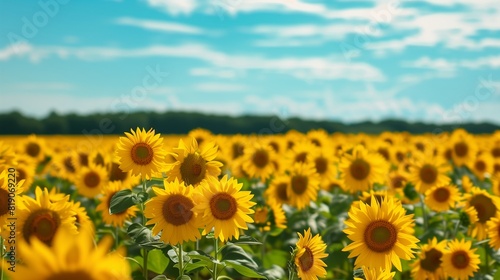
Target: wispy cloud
(220, 87)
(46, 86)
(214, 72)
(174, 7)
(163, 26)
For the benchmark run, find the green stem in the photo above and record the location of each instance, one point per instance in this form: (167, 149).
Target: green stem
(181, 261)
(1, 270)
(197, 247)
(263, 247)
(424, 213)
(291, 274)
(144, 250)
(117, 242)
(486, 257)
(456, 229)
(216, 258)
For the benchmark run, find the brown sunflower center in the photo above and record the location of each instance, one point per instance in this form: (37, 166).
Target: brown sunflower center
(384, 152)
(484, 206)
(432, 260)
(69, 165)
(441, 194)
(480, 166)
(4, 199)
(359, 169)
(397, 181)
(223, 206)
(177, 209)
(260, 158)
(21, 174)
(299, 184)
(274, 146)
(496, 167)
(43, 224)
(378, 198)
(306, 261)
(84, 159)
(448, 154)
(281, 192)
(73, 275)
(99, 160)
(237, 150)
(193, 169)
(91, 179)
(461, 149)
(460, 259)
(142, 154)
(301, 157)
(380, 236)
(321, 165)
(33, 149)
(116, 174)
(428, 174)
(400, 156)
(495, 152)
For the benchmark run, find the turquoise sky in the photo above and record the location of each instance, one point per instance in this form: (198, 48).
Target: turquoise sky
(434, 61)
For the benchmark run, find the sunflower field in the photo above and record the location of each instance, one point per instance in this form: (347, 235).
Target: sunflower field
(291, 206)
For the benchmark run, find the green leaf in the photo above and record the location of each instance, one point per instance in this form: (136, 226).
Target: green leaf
(143, 236)
(236, 253)
(276, 272)
(142, 197)
(244, 270)
(121, 201)
(276, 257)
(246, 240)
(160, 277)
(184, 277)
(157, 261)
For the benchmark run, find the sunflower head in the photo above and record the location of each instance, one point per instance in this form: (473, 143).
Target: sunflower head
(308, 254)
(460, 260)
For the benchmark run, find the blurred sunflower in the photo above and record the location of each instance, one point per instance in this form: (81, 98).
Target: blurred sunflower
(482, 166)
(442, 198)
(42, 218)
(26, 172)
(429, 266)
(397, 182)
(270, 215)
(382, 234)
(486, 207)
(223, 207)
(318, 137)
(278, 190)
(201, 135)
(34, 147)
(117, 219)
(308, 254)
(366, 197)
(193, 164)
(63, 166)
(171, 212)
(428, 171)
(258, 161)
(376, 274)
(301, 152)
(127, 179)
(82, 220)
(463, 147)
(324, 166)
(361, 169)
(5, 190)
(71, 257)
(495, 185)
(494, 231)
(304, 185)
(141, 152)
(7, 156)
(90, 180)
(460, 261)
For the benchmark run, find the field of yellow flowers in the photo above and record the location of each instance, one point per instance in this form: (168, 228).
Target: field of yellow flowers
(296, 206)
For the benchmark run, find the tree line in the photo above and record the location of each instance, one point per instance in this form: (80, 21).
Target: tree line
(182, 122)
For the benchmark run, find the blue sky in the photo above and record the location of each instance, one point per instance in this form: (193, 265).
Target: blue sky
(433, 61)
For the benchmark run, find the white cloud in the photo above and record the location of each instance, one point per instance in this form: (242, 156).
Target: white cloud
(18, 49)
(174, 7)
(308, 68)
(220, 87)
(214, 72)
(46, 86)
(163, 26)
(447, 66)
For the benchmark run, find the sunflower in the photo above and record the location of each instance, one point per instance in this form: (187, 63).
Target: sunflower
(495, 185)
(141, 152)
(460, 261)
(361, 169)
(482, 166)
(308, 254)
(366, 197)
(62, 164)
(194, 165)
(126, 178)
(442, 198)
(6, 191)
(396, 182)
(117, 219)
(429, 262)
(26, 172)
(7, 156)
(258, 161)
(376, 274)
(201, 135)
(90, 180)
(324, 166)
(301, 152)
(463, 147)
(42, 218)
(278, 190)
(494, 231)
(304, 185)
(34, 147)
(428, 171)
(269, 215)
(382, 234)
(466, 184)
(82, 220)
(171, 212)
(70, 257)
(224, 207)
(486, 207)
(319, 137)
